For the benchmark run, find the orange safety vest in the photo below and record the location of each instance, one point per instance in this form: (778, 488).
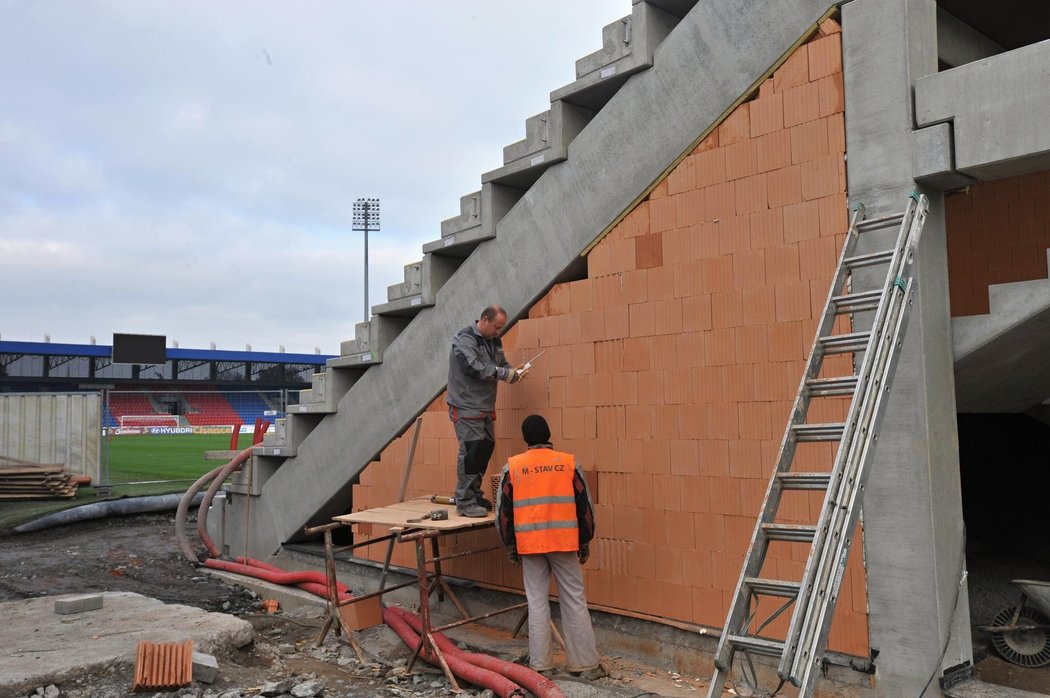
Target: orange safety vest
(544, 501)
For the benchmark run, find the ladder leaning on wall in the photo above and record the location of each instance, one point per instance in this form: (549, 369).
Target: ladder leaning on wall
(874, 353)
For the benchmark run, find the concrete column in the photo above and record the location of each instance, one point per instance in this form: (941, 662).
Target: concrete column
(913, 530)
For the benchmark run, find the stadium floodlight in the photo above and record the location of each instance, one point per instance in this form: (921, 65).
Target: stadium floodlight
(366, 217)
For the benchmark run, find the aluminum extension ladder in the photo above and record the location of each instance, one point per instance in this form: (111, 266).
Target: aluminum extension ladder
(813, 597)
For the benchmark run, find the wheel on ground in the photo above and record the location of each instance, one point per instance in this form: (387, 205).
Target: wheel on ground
(1027, 648)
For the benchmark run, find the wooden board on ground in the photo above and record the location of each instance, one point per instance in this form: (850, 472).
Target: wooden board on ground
(398, 515)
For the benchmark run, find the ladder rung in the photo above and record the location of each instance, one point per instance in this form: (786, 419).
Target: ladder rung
(758, 645)
(819, 432)
(804, 481)
(868, 260)
(879, 223)
(845, 343)
(773, 587)
(855, 302)
(795, 533)
(826, 387)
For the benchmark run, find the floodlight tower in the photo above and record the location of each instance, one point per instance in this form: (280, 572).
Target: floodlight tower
(366, 217)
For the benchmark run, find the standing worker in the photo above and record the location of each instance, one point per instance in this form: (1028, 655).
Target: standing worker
(545, 519)
(475, 366)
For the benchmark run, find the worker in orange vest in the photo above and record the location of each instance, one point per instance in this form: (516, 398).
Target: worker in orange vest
(545, 519)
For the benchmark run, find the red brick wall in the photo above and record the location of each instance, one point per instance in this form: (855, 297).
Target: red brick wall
(998, 232)
(670, 371)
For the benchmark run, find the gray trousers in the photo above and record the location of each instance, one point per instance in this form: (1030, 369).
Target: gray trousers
(581, 652)
(476, 438)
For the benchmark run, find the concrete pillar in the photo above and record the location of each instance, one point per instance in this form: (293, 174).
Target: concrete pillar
(913, 530)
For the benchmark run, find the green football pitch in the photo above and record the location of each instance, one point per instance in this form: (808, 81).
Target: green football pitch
(137, 466)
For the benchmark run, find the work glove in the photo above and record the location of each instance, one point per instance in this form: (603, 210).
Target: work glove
(584, 553)
(512, 556)
(516, 374)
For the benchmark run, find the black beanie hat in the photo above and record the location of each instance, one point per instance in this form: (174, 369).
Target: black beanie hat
(535, 431)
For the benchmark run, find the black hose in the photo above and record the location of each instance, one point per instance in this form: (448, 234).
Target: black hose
(98, 510)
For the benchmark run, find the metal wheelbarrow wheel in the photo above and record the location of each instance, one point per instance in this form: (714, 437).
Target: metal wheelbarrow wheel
(1027, 648)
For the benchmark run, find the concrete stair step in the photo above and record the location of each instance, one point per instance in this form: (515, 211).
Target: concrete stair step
(546, 142)
(1010, 304)
(287, 434)
(328, 388)
(479, 214)
(628, 45)
(423, 280)
(373, 337)
(251, 478)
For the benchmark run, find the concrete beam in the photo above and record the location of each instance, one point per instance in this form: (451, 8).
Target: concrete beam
(958, 43)
(933, 159)
(913, 533)
(997, 107)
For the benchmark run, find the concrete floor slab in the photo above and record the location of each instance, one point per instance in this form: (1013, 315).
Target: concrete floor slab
(43, 647)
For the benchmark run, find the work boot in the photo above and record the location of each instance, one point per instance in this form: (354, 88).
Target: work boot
(482, 502)
(472, 511)
(592, 674)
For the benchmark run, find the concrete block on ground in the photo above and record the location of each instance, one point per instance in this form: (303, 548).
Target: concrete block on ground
(78, 604)
(205, 667)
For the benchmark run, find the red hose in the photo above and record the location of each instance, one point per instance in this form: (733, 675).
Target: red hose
(500, 685)
(213, 488)
(537, 683)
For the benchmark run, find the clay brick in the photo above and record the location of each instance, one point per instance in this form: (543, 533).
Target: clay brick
(773, 150)
(767, 115)
(710, 167)
(818, 258)
(831, 95)
(642, 319)
(825, 56)
(685, 456)
(683, 177)
(725, 499)
(836, 133)
(786, 342)
(696, 313)
(708, 608)
(558, 299)
(737, 126)
(749, 269)
(696, 496)
(801, 221)
(752, 493)
(758, 306)
(676, 245)
(809, 141)
(733, 234)
(665, 422)
(745, 460)
(752, 344)
(793, 302)
(636, 222)
(741, 159)
(662, 213)
(678, 387)
(608, 358)
(793, 72)
(617, 324)
(726, 309)
(710, 142)
(651, 387)
(823, 177)
(784, 186)
(581, 295)
(659, 191)
(751, 194)
(719, 201)
(833, 215)
(592, 325)
(720, 346)
(583, 358)
(649, 251)
(707, 384)
(801, 104)
(688, 278)
(767, 228)
(636, 352)
(703, 240)
(689, 349)
(738, 383)
(829, 26)
(633, 287)
(689, 208)
(723, 424)
(669, 567)
(668, 316)
(718, 274)
(710, 530)
(755, 420)
(659, 283)
(766, 88)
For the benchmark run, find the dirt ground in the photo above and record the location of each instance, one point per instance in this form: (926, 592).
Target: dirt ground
(139, 554)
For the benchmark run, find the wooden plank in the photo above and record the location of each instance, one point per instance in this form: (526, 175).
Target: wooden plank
(399, 513)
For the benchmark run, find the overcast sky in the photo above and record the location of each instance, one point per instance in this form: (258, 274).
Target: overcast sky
(188, 168)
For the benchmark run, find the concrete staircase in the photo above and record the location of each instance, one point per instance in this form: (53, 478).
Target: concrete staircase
(665, 74)
(1000, 358)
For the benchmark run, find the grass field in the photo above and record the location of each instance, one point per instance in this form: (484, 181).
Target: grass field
(176, 459)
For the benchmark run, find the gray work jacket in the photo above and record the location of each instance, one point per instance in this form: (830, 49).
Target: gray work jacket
(475, 367)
